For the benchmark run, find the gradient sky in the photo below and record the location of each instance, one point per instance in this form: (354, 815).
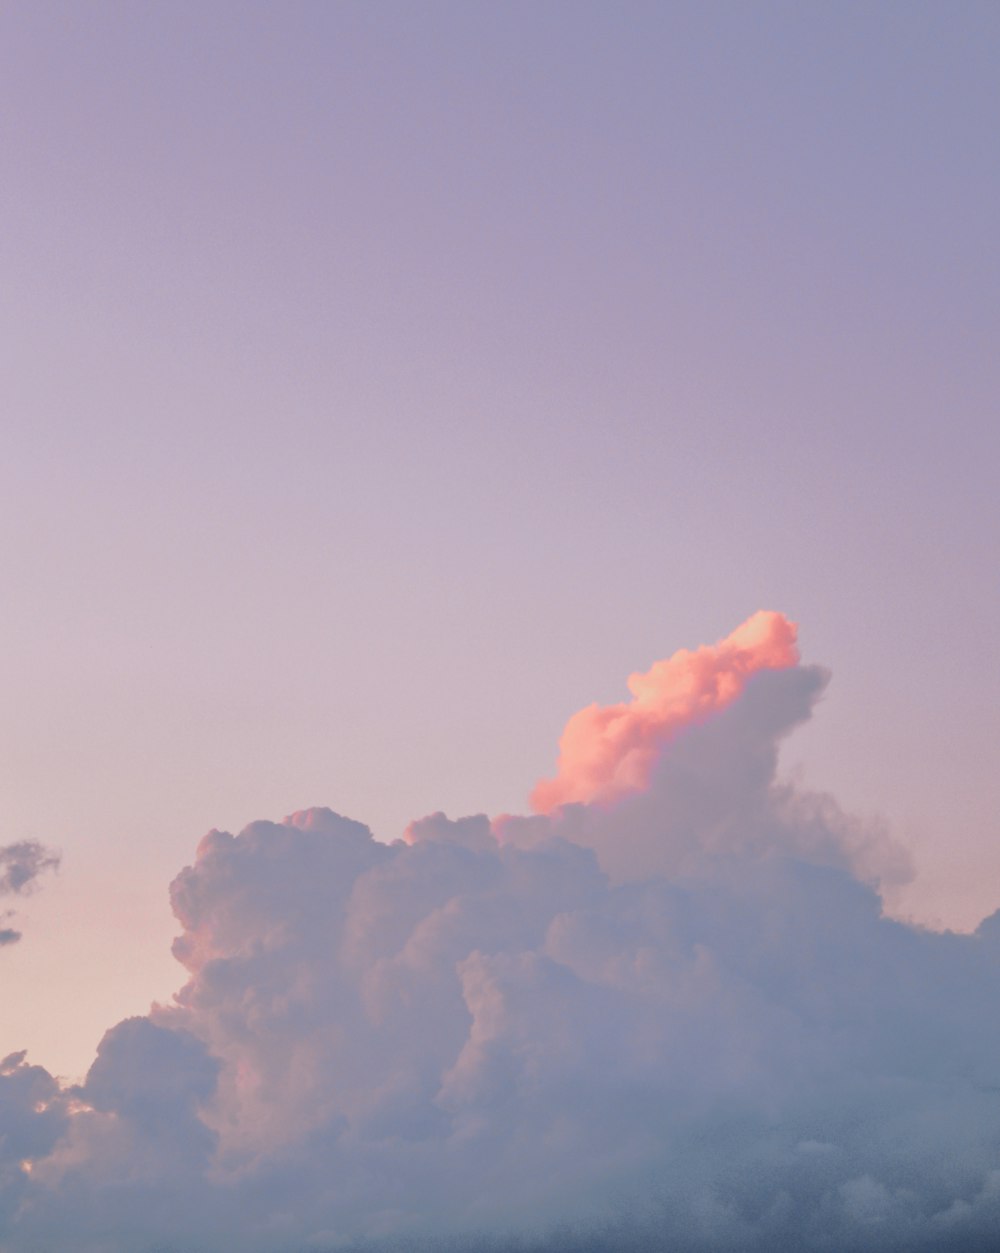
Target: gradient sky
(382, 383)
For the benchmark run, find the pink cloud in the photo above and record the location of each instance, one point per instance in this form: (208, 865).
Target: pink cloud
(609, 750)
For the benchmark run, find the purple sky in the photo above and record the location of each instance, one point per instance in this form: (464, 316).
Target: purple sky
(382, 383)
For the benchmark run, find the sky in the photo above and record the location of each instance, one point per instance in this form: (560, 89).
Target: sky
(383, 384)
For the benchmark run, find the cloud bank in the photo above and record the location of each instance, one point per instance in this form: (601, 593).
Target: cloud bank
(669, 1016)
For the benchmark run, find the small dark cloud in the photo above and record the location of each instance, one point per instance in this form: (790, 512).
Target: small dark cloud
(21, 865)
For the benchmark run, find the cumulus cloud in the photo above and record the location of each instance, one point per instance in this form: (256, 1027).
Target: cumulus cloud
(675, 1017)
(21, 865)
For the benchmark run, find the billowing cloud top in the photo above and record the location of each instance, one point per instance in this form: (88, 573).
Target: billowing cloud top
(676, 1018)
(607, 750)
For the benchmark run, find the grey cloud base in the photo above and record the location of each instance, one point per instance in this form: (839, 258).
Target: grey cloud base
(681, 1023)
